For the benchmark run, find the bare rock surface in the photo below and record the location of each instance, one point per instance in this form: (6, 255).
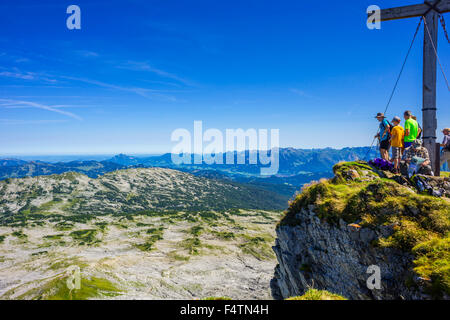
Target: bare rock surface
(145, 233)
(228, 257)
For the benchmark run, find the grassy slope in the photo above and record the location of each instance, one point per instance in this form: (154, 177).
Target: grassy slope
(130, 191)
(56, 289)
(314, 294)
(421, 223)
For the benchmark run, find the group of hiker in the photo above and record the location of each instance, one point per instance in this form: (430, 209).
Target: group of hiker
(406, 144)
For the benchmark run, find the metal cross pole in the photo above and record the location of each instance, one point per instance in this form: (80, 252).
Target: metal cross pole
(429, 10)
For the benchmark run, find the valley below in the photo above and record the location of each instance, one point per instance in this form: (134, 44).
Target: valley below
(161, 256)
(135, 234)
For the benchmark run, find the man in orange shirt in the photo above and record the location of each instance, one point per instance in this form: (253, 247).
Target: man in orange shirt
(397, 136)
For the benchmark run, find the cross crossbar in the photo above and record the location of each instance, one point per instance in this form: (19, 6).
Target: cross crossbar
(416, 10)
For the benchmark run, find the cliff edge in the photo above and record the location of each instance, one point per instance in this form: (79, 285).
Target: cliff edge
(335, 229)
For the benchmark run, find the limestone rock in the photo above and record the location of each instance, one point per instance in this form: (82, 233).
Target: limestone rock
(337, 260)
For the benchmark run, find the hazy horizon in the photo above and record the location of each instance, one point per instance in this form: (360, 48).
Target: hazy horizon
(104, 156)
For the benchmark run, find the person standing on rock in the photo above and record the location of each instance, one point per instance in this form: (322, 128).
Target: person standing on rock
(397, 136)
(384, 136)
(411, 129)
(445, 156)
(419, 128)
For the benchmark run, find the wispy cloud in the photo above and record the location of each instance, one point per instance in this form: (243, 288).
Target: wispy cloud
(145, 66)
(299, 92)
(144, 92)
(87, 53)
(12, 103)
(17, 74)
(22, 60)
(23, 76)
(60, 106)
(53, 79)
(23, 122)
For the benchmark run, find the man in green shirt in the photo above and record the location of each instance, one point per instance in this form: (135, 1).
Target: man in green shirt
(411, 129)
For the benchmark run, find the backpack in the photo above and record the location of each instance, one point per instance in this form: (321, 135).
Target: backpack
(389, 132)
(381, 164)
(421, 131)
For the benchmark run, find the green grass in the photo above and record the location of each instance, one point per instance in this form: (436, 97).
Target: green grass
(361, 167)
(314, 294)
(64, 226)
(85, 237)
(192, 245)
(445, 174)
(2, 238)
(19, 234)
(56, 289)
(54, 236)
(64, 263)
(178, 257)
(71, 204)
(102, 225)
(433, 263)
(196, 230)
(224, 235)
(48, 205)
(260, 247)
(155, 235)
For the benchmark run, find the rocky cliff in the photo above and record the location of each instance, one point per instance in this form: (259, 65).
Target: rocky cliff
(336, 229)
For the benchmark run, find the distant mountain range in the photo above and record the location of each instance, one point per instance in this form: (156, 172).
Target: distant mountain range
(12, 168)
(292, 161)
(296, 167)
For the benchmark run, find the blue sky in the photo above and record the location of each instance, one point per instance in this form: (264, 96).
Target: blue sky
(139, 69)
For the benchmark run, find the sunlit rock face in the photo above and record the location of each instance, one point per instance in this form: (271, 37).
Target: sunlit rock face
(337, 231)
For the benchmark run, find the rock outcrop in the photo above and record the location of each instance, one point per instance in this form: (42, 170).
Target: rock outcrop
(335, 230)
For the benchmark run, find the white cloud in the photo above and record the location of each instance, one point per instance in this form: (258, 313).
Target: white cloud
(87, 53)
(21, 122)
(299, 92)
(18, 103)
(24, 76)
(145, 66)
(144, 92)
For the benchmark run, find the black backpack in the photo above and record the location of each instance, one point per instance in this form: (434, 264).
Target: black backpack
(421, 131)
(389, 131)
